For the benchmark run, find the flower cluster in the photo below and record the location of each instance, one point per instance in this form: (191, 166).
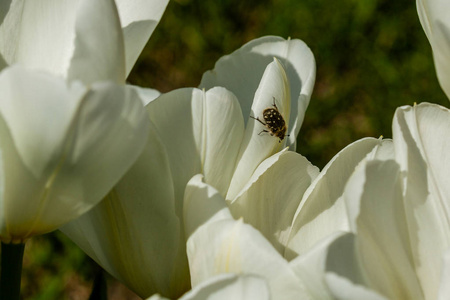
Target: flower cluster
(198, 193)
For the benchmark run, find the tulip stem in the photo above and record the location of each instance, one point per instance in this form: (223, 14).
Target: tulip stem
(12, 257)
(99, 290)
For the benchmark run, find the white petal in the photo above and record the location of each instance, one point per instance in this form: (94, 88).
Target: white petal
(426, 15)
(272, 195)
(422, 131)
(110, 133)
(38, 109)
(228, 286)
(375, 208)
(344, 289)
(322, 210)
(3, 63)
(178, 116)
(135, 233)
(147, 95)
(311, 267)
(344, 277)
(241, 71)
(422, 143)
(202, 132)
(195, 212)
(157, 297)
(444, 288)
(4, 9)
(441, 54)
(39, 34)
(383, 151)
(223, 245)
(433, 15)
(99, 52)
(62, 150)
(223, 132)
(273, 90)
(138, 19)
(257, 145)
(79, 39)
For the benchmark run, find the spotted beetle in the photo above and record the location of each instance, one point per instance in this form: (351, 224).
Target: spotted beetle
(273, 121)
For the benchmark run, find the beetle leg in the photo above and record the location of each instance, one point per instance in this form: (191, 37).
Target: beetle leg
(257, 119)
(263, 131)
(274, 103)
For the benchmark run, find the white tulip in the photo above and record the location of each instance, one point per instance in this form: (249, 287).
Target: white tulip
(137, 233)
(70, 127)
(399, 214)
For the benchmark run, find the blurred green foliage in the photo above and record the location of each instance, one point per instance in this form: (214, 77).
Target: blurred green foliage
(54, 268)
(372, 56)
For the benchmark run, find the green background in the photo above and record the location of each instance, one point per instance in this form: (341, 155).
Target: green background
(372, 56)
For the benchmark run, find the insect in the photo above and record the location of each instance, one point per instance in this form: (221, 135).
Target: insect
(273, 121)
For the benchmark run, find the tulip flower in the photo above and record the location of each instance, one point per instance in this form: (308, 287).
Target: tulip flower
(398, 212)
(60, 143)
(219, 244)
(80, 42)
(433, 15)
(83, 42)
(59, 147)
(70, 128)
(137, 232)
